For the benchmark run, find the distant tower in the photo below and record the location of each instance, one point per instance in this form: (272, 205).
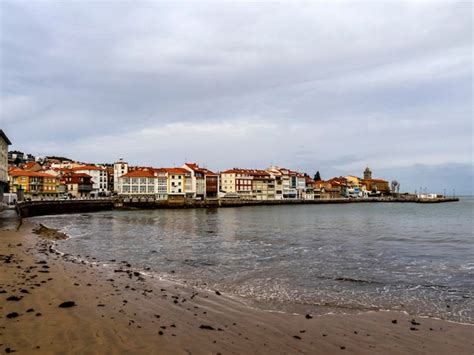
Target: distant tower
(120, 168)
(367, 174)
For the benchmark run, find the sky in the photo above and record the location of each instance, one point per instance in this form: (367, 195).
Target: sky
(311, 86)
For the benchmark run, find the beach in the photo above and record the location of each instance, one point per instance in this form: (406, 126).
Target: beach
(55, 303)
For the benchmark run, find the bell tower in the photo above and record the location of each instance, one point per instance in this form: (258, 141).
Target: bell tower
(367, 174)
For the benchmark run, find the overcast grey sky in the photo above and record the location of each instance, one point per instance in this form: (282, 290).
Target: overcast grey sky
(307, 85)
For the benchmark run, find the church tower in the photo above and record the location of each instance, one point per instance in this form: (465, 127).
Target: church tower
(367, 174)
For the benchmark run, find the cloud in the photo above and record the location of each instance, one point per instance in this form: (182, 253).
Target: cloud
(313, 85)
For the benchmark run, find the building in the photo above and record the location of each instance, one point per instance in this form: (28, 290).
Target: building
(286, 181)
(179, 183)
(77, 184)
(374, 186)
(263, 185)
(120, 168)
(367, 174)
(237, 181)
(4, 143)
(198, 180)
(138, 183)
(99, 177)
(33, 183)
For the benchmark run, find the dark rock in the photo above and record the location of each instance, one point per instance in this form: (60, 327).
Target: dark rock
(24, 291)
(208, 327)
(160, 332)
(297, 337)
(218, 293)
(12, 315)
(308, 316)
(342, 347)
(14, 298)
(394, 321)
(67, 304)
(30, 310)
(413, 322)
(413, 328)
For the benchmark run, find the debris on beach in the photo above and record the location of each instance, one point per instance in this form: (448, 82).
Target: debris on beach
(67, 304)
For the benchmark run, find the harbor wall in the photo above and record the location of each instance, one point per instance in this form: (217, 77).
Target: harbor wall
(48, 207)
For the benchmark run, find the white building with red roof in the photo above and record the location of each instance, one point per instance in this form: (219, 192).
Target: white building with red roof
(99, 177)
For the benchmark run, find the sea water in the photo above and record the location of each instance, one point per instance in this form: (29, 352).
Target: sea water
(417, 258)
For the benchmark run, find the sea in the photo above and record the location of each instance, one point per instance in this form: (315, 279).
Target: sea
(416, 258)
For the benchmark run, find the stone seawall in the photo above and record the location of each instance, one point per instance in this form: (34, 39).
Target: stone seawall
(38, 208)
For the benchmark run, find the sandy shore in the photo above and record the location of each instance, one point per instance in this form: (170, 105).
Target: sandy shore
(118, 310)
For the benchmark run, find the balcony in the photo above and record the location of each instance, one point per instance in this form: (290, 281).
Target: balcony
(84, 188)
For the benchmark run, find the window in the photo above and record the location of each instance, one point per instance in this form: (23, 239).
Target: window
(143, 181)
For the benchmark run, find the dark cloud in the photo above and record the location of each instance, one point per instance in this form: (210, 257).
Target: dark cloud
(310, 85)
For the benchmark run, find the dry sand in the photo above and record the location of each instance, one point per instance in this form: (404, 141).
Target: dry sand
(118, 310)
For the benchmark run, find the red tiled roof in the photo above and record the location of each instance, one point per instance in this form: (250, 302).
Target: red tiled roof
(19, 172)
(177, 171)
(87, 167)
(140, 173)
(29, 165)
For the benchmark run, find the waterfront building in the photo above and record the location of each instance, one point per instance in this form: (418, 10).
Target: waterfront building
(353, 180)
(138, 183)
(198, 180)
(308, 193)
(212, 184)
(33, 183)
(76, 184)
(179, 183)
(374, 186)
(120, 169)
(99, 177)
(286, 182)
(263, 185)
(237, 181)
(4, 143)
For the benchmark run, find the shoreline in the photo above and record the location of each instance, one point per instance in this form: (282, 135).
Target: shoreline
(120, 310)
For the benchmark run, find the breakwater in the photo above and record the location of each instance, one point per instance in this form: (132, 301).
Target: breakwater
(47, 207)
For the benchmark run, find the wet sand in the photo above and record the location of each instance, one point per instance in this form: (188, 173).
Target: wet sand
(53, 303)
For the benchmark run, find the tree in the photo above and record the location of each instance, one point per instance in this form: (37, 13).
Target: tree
(317, 177)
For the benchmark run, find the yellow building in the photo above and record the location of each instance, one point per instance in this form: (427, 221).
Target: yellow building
(353, 180)
(34, 183)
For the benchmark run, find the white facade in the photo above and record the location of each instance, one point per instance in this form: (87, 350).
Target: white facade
(99, 177)
(144, 183)
(120, 168)
(176, 184)
(4, 142)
